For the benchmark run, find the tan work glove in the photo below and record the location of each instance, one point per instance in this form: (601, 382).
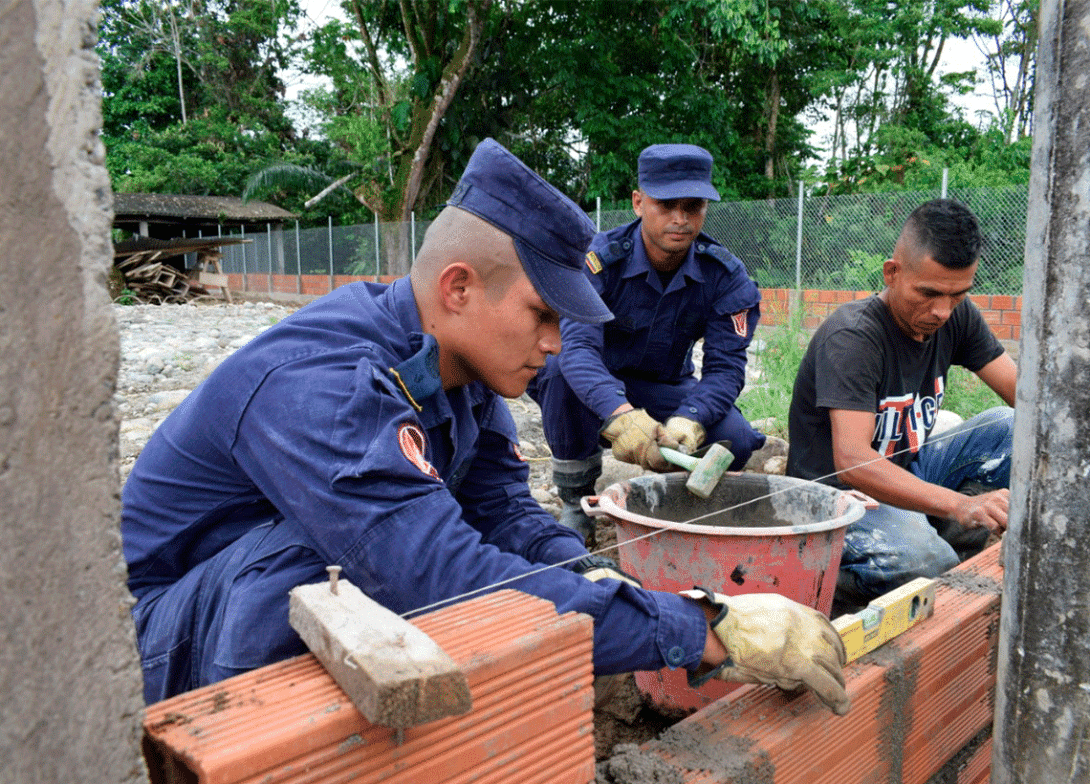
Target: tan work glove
(772, 639)
(687, 432)
(635, 438)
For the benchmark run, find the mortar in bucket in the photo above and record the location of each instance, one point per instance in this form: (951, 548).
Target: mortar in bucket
(756, 533)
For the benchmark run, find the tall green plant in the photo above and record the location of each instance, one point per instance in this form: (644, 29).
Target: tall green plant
(777, 359)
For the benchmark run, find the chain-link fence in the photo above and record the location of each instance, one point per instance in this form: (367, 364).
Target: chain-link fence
(816, 242)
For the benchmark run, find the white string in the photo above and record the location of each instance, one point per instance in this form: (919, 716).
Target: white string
(561, 564)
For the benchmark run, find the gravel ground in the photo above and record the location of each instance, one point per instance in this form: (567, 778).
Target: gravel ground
(167, 350)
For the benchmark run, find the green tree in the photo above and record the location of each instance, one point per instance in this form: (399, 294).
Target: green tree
(1011, 50)
(395, 71)
(891, 106)
(223, 109)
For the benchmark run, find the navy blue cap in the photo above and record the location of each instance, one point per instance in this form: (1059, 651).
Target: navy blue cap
(550, 231)
(677, 171)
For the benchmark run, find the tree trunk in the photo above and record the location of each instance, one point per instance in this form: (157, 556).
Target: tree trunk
(773, 117)
(426, 119)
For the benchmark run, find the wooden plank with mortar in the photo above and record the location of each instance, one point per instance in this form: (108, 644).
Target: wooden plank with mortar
(394, 673)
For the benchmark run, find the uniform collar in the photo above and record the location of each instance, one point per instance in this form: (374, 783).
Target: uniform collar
(641, 265)
(418, 375)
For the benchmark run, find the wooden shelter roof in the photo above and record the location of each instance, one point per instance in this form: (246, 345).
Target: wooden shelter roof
(224, 209)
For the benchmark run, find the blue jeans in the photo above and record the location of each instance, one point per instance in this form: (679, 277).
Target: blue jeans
(889, 547)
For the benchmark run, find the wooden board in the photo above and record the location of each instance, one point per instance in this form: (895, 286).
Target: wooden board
(395, 674)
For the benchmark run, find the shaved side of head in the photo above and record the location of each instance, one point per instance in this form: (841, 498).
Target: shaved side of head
(460, 236)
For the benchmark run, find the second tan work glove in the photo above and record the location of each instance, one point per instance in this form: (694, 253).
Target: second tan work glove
(772, 639)
(635, 437)
(687, 432)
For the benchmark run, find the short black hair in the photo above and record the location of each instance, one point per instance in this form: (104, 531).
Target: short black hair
(948, 231)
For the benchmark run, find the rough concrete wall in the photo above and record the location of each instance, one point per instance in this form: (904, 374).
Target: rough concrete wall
(70, 698)
(1042, 724)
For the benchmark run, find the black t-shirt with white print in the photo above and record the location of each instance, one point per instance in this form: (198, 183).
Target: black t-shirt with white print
(859, 360)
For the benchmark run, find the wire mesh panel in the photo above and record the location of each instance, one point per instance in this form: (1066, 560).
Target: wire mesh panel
(846, 239)
(841, 243)
(1002, 214)
(760, 233)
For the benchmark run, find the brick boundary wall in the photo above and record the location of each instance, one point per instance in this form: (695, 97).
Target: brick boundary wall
(1002, 312)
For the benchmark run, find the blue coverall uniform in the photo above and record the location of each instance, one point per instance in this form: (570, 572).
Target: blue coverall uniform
(644, 355)
(328, 439)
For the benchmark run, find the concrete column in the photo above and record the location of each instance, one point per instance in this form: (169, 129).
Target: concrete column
(70, 695)
(1042, 720)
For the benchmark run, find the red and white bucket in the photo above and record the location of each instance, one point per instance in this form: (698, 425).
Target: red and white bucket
(756, 533)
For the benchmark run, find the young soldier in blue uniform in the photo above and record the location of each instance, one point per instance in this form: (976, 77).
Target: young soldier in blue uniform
(366, 430)
(631, 381)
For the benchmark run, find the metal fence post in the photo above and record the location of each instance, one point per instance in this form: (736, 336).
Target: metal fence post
(245, 284)
(331, 253)
(798, 241)
(378, 260)
(269, 253)
(795, 312)
(945, 180)
(298, 263)
(597, 213)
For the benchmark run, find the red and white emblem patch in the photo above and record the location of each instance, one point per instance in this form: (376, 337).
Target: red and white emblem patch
(741, 323)
(411, 440)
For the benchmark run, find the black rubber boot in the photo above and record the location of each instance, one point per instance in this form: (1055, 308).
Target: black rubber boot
(575, 479)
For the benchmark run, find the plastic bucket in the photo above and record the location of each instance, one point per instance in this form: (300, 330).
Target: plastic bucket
(756, 533)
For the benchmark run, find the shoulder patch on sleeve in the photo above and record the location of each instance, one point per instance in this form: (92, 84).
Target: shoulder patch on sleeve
(412, 442)
(741, 322)
(594, 264)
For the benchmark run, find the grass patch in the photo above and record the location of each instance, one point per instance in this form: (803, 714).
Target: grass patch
(779, 358)
(967, 395)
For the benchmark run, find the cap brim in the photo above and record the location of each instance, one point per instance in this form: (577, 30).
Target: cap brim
(564, 289)
(682, 189)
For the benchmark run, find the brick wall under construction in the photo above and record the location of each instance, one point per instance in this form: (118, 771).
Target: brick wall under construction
(529, 672)
(922, 705)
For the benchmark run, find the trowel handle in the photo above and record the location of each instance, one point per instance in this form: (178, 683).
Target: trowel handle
(688, 462)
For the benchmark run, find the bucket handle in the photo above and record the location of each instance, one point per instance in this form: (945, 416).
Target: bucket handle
(847, 496)
(590, 506)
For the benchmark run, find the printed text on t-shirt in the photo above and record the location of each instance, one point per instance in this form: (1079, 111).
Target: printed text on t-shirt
(903, 421)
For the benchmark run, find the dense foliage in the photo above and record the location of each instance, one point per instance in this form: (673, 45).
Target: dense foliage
(194, 99)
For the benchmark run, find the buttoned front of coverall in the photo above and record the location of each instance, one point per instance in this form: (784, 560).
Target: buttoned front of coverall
(644, 355)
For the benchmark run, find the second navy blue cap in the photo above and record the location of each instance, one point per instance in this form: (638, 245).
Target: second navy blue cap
(550, 231)
(676, 171)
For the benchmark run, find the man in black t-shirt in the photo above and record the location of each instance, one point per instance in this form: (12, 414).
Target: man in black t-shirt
(866, 397)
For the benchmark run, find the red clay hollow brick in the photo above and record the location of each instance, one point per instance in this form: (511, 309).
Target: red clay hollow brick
(529, 671)
(978, 768)
(916, 702)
